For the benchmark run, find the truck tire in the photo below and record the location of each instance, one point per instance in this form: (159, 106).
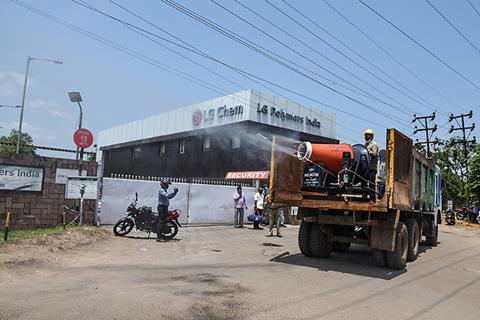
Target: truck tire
(397, 259)
(413, 239)
(340, 246)
(379, 258)
(320, 244)
(304, 238)
(432, 240)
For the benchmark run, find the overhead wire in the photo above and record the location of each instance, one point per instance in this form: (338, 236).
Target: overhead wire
(420, 45)
(473, 7)
(336, 49)
(403, 110)
(385, 51)
(453, 26)
(202, 66)
(225, 64)
(116, 46)
(254, 48)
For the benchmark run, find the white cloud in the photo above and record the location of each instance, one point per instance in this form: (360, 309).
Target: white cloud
(40, 104)
(37, 133)
(60, 114)
(11, 83)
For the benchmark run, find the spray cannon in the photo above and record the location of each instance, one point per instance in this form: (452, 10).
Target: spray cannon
(349, 164)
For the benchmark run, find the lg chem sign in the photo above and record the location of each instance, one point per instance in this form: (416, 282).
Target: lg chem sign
(221, 113)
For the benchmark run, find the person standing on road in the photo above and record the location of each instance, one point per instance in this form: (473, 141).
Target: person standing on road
(258, 200)
(372, 148)
(240, 204)
(163, 202)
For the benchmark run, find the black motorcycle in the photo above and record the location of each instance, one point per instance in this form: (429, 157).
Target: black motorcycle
(450, 217)
(144, 219)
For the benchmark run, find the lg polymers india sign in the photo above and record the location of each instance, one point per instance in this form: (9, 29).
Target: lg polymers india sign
(20, 178)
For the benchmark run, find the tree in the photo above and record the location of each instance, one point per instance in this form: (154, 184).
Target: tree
(473, 184)
(453, 162)
(8, 143)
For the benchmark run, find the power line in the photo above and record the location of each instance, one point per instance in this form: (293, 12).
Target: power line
(473, 7)
(416, 76)
(239, 70)
(360, 56)
(453, 26)
(335, 49)
(316, 51)
(423, 120)
(204, 67)
(420, 45)
(127, 51)
(255, 48)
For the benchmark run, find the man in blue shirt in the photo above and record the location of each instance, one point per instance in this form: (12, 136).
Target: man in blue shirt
(163, 202)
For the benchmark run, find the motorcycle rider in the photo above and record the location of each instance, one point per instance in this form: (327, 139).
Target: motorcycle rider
(163, 202)
(372, 148)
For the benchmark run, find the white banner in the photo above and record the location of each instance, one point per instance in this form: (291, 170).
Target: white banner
(20, 178)
(206, 204)
(117, 194)
(75, 184)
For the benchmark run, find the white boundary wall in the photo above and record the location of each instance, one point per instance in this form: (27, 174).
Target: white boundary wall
(200, 204)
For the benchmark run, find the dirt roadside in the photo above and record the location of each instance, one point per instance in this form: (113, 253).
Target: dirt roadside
(48, 248)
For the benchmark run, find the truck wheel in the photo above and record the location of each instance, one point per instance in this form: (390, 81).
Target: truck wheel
(320, 244)
(304, 238)
(413, 239)
(432, 240)
(379, 258)
(398, 258)
(340, 246)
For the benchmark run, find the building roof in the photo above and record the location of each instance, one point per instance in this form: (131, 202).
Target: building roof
(246, 105)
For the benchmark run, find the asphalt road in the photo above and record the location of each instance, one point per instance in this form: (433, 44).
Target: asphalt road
(221, 273)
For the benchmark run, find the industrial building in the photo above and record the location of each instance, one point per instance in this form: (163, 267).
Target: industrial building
(211, 138)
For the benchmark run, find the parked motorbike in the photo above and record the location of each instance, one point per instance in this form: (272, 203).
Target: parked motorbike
(461, 214)
(143, 219)
(449, 217)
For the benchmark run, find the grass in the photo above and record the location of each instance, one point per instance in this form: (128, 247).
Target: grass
(15, 235)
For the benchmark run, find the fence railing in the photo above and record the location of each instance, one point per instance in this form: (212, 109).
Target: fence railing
(209, 181)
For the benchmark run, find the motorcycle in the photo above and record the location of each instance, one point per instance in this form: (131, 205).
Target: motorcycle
(461, 213)
(143, 219)
(449, 217)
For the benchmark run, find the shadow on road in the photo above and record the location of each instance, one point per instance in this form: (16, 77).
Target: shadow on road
(356, 261)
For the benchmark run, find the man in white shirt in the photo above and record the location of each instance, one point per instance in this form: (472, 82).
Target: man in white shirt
(259, 200)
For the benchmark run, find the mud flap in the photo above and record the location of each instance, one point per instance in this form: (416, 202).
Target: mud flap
(383, 235)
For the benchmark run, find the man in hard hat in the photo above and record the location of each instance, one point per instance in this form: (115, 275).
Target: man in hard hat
(372, 148)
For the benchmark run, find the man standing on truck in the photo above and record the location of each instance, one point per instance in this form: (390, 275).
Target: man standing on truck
(372, 148)
(163, 202)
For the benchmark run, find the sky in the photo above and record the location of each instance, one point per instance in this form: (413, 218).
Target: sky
(373, 91)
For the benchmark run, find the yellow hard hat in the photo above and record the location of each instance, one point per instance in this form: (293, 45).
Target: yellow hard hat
(369, 131)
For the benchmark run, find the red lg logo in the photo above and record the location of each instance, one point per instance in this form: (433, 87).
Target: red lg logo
(197, 117)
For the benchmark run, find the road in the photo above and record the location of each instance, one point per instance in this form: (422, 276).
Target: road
(224, 273)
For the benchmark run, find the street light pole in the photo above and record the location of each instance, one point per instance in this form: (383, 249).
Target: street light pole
(19, 133)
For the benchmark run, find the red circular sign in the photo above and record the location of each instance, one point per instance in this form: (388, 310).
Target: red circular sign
(83, 138)
(197, 117)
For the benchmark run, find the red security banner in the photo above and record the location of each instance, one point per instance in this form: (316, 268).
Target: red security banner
(246, 175)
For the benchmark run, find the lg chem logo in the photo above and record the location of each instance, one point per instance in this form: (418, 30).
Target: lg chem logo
(197, 117)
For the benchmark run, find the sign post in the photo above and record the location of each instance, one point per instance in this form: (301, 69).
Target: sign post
(83, 138)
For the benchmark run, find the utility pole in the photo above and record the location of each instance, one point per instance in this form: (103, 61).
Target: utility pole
(465, 137)
(465, 140)
(424, 121)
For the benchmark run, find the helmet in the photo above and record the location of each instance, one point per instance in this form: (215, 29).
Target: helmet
(369, 131)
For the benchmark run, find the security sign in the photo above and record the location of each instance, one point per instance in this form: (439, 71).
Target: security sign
(83, 138)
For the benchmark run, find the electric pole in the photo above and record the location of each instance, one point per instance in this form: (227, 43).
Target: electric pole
(424, 121)
(465, 136)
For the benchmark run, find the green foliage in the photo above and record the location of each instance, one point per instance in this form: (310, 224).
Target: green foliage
(453, 161)
(26, 143)
(473, 184)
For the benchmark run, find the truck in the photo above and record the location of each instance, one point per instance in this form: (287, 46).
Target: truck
(338, 204)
